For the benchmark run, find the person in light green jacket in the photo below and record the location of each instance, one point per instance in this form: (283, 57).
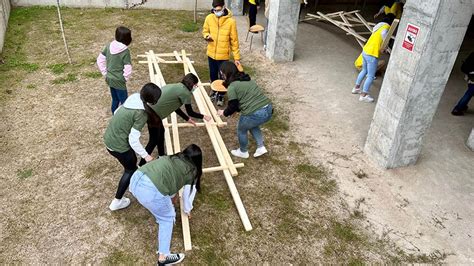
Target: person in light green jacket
(122, 136)
(156, 184)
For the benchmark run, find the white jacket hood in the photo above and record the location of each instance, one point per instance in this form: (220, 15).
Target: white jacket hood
(378, 26)
(117, 47)
(134, 102)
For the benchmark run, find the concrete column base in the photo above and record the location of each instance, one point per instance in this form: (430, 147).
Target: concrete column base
(470, 141)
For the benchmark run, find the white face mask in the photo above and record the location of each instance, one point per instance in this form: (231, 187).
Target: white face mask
(219, 13)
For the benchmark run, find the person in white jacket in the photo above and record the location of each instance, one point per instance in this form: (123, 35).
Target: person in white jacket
(122, 136)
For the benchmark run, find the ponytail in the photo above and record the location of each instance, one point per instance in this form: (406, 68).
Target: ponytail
(150, 94)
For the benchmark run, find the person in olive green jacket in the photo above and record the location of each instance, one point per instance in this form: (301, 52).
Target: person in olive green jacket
(122, 136)
(173, 96)
(255, 108)
(156, 184)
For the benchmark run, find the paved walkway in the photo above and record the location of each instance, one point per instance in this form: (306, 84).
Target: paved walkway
(426, 207)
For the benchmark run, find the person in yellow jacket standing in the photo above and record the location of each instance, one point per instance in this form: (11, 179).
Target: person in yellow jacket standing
(370, 56)
(220, 32)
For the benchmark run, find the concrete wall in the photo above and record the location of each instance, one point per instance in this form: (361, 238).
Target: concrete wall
(470, 140)
(159, 4)
(415, 80)
(4, 15)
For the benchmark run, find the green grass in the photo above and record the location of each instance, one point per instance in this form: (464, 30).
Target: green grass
(279, 122)
(93, 74)
(25, 173)
(31, 86)
(118, 257)
(345, 232)
(190, 26)
(67, 79)
(57, 68)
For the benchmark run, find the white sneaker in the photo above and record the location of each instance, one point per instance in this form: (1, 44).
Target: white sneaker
(239, 153)
(355, 90)
(367, 98)
(260, 151)
(118, 204)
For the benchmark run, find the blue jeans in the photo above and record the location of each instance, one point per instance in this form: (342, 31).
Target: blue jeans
(252, 123)
(158, 204)
(464, 101)
(118, 97)
(369, 67)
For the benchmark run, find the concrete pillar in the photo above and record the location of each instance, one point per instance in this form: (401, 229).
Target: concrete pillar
(236, 6)
(415, 80)
(4, 15)
(282, 27)
(470, 140)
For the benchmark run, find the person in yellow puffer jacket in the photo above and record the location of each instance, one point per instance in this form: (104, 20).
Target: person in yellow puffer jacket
(220, 32)
(370, 57)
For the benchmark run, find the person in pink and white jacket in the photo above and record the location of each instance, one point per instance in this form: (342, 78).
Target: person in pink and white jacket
(115, 64)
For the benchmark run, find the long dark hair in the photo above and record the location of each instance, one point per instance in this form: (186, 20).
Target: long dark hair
(150, 94)
(231, 73)
(193, 154)
(123, 35)
(189, 81)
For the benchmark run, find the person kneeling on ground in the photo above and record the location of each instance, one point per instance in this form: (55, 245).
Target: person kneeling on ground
(156, 184)
(255, 108)
(173, 96)
(122, 136)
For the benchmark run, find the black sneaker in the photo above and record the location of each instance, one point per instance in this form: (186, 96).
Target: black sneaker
(172, 259)
(213, 96)
(220, 100)
(457, 112)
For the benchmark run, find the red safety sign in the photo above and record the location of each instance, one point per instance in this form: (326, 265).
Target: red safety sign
(410, 37)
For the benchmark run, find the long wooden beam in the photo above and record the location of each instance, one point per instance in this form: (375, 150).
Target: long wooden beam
(198, 124)
(177, 148)
(392, 29)
(220, 168)
(227, 174)
(348, 30)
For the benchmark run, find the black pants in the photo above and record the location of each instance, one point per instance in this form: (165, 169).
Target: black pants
(214, 66)
(252, 15)
(128, 160)
(156, 139)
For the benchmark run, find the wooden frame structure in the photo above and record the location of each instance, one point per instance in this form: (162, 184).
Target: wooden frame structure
(205, 107)
(352, 20)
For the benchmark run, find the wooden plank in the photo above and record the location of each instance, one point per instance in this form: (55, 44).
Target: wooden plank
(174, 121)
(205, 97)
(220, 168)
(348, 30)
(363, 21)
(191, 125)
(221, 143)
(162, 55)
(217, 148)
(392, 29)
(163, 62)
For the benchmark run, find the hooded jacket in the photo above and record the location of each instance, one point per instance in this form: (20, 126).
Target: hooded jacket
(114, 63)
(123, 131)
(223, 31)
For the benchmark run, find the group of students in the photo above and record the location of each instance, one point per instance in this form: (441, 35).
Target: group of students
(156, 182)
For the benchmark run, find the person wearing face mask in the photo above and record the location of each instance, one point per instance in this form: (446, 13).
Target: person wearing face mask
(173, 96)
(220, 32)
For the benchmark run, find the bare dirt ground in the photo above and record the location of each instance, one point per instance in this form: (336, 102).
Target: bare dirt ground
(57, 178)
